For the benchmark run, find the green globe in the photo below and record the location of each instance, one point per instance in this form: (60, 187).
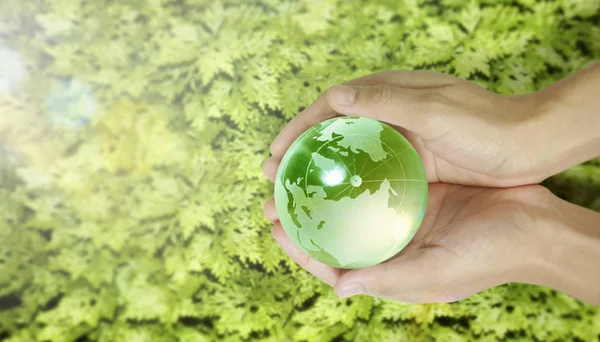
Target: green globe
(351, 192)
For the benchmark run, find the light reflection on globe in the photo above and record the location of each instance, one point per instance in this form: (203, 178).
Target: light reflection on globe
(351, 192)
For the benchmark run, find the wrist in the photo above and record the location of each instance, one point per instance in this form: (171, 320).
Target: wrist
(568, 252)
(562, 129)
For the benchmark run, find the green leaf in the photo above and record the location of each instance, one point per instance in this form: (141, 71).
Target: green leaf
(141, 219)
(469, 61)
(580, 8)
(469, 16)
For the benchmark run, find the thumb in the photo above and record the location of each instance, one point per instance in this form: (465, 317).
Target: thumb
(407, 278)
(392, 280)
(405, 107)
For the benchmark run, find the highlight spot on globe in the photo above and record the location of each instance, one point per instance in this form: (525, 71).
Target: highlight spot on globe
(351, 192)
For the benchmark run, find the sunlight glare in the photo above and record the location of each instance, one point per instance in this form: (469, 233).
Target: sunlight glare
(12, 70)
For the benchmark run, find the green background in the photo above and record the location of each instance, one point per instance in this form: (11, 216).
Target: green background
(132, 134)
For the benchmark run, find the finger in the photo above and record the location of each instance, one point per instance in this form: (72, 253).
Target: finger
(405, 279)
(320, 110)
(270, 212)
(406, 107)
(422, 276)
(270, 167)
(325, 273)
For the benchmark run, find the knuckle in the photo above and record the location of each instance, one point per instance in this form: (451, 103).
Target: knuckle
(436, 98)
(383, 94)
(436, 106)
(433, 123)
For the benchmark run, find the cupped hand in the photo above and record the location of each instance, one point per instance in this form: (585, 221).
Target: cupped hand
(471, 239)
(463, 133)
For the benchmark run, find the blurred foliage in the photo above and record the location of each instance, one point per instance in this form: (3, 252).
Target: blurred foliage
(131, 138)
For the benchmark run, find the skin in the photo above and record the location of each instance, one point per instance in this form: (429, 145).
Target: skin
(487, 222)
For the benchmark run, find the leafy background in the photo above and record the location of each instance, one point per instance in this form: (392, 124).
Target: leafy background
(131, 138)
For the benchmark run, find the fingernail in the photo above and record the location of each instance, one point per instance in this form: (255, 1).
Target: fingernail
(350, 290)
(343, 95)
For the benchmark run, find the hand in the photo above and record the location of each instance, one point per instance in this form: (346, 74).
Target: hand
(463, 133)
(471, 239)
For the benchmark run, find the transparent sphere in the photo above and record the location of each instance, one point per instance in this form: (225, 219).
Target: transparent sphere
(351, 192)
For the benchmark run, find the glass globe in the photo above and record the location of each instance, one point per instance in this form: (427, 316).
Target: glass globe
(351, 192)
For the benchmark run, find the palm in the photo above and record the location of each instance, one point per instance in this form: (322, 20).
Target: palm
(467, 237)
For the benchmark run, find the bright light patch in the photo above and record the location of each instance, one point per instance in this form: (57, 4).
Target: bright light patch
(334, 176)
(12, 70)
(404, 225)
(71, 104)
